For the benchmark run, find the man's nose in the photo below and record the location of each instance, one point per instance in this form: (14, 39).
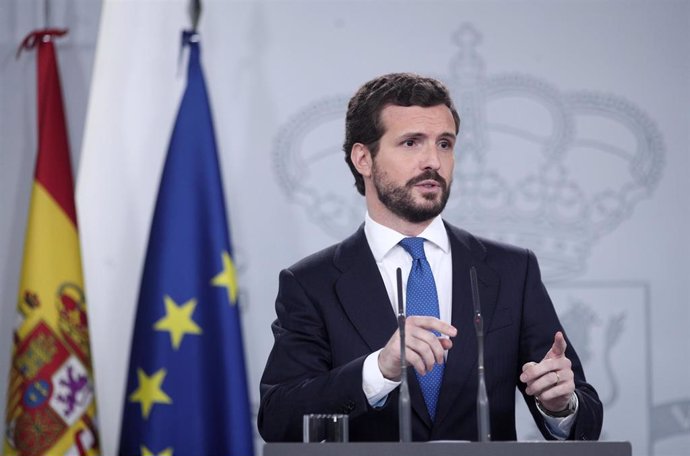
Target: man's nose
(431, 159)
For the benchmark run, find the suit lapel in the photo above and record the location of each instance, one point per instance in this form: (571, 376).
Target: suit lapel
(363, 296)
(462, 358)
(362, 293)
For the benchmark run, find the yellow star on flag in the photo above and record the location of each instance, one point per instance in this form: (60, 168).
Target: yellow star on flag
(149, 391)
(178, 320)
(227, 278)
(146, 452)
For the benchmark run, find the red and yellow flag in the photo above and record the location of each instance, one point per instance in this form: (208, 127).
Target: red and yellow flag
(51, 402)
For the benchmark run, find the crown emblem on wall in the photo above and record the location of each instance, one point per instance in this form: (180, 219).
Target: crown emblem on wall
(538, 167)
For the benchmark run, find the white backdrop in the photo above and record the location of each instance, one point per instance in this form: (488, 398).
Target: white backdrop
(575, 144)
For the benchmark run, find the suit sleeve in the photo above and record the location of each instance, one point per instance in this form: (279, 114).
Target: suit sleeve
(300, 376)
(539, 325)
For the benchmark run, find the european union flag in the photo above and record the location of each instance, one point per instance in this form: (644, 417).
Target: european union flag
(187, 387)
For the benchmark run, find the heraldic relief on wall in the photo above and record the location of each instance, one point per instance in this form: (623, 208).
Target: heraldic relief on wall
(537, 167)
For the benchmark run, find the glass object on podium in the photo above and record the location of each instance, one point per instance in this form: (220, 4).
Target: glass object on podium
(325, 428)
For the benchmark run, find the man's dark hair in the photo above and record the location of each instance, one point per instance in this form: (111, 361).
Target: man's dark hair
(363, 121)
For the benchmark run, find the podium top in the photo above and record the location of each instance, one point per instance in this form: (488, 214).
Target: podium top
(569, 448)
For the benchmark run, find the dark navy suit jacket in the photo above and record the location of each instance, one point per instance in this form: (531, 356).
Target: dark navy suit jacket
(333, 310)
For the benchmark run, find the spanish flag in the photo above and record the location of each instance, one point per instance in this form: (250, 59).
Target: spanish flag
(51, 401)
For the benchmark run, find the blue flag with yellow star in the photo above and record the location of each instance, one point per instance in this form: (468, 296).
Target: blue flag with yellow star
(187, 387)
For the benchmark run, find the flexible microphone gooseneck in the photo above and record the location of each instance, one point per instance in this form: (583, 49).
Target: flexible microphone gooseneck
(482, 398)
(404, 396)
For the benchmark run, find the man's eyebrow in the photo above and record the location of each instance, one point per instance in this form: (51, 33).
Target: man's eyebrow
(410, 135)
(419, 134)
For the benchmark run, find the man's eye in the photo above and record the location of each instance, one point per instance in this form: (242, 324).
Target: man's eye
(409, 142)
(445, 145)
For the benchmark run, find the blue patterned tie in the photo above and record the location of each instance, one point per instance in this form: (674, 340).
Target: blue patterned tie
(422, 299)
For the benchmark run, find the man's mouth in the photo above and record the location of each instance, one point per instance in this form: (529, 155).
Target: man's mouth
(429, 180)
(428, 184)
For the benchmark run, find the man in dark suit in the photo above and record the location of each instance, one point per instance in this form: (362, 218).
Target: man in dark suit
(337, 348)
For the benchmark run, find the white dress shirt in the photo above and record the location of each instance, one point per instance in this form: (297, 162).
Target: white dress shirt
(390, 255)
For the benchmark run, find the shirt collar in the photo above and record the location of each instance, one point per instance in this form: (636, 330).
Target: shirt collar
(382, 239)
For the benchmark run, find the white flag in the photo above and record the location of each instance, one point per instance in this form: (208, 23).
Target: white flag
(136, 87)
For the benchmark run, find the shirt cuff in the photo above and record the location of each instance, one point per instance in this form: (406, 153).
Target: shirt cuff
(375, 386)
(560, 427)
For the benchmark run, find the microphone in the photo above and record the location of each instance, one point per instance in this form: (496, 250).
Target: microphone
(404, 396)
(482, 398)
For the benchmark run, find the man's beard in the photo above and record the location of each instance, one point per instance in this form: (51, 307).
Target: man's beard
(400, 201)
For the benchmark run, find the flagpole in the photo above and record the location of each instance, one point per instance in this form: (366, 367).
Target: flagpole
(46, 13)
(195, 13)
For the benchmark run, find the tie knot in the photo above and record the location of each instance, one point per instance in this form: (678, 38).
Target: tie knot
(414, 246)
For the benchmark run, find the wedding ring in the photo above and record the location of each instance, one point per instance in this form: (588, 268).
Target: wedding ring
(558, 379)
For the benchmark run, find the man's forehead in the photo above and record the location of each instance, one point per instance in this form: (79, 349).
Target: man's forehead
(438, 116)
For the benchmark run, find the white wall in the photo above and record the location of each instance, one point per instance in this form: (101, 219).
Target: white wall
(600, 88)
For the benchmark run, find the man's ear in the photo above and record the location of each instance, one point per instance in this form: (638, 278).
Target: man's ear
(361, 159)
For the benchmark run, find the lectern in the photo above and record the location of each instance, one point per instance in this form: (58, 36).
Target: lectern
(578, 448)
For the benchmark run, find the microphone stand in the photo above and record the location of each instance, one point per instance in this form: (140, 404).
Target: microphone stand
(482, 397)
(404, 396)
